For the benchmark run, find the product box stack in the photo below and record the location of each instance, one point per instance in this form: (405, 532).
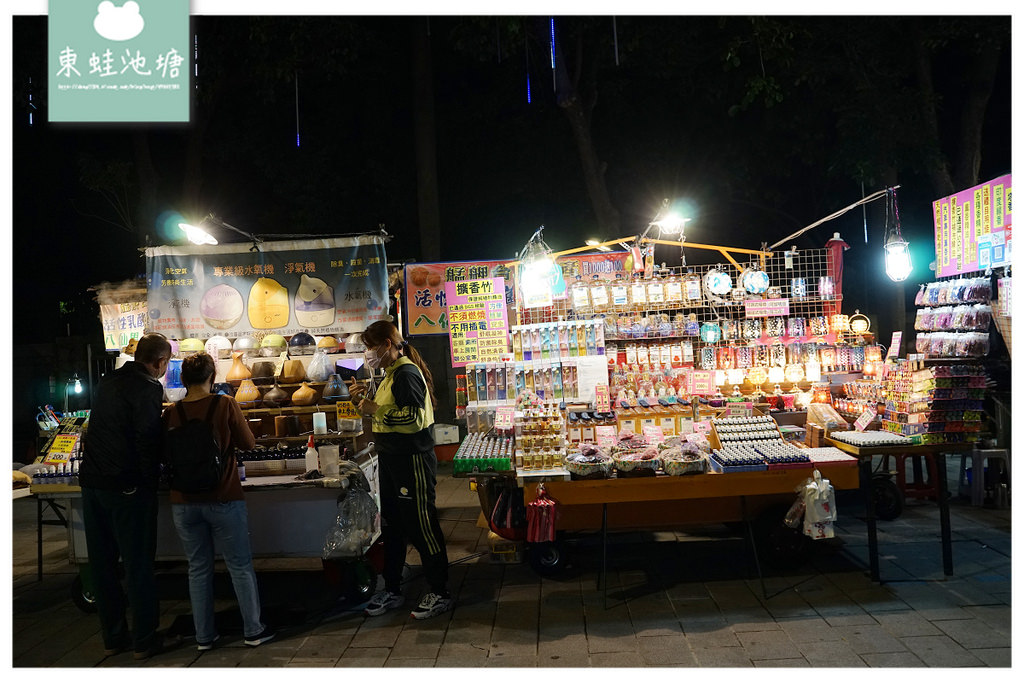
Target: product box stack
(935, 403)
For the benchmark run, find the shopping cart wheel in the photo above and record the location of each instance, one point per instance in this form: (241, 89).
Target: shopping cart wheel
(547, 559)
(82, 596)
(887, 497)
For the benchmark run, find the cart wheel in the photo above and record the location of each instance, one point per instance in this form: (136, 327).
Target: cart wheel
(887, 497)
(83, 598)
(777, 544)
(547, 559)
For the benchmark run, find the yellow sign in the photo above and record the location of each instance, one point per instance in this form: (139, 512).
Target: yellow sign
(61, 448)
(347, 411)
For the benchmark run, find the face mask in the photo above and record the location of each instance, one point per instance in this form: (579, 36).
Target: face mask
(372, 358)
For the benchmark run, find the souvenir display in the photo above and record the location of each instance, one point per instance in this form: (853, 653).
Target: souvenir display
(754, 281)
(718, 283)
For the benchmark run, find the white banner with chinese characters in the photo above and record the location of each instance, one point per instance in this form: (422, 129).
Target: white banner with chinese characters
(334, 285)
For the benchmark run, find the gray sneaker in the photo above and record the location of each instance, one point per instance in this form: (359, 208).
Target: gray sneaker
(382, 602)
(431, 605)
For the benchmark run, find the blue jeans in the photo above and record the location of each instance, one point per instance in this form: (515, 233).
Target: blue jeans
(199, 526)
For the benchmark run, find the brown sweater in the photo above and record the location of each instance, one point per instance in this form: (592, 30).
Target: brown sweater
(232, 432)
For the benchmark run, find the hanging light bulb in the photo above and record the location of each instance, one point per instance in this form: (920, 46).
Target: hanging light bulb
(898, 265)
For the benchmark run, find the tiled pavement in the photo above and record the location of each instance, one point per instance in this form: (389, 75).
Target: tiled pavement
(692, 603)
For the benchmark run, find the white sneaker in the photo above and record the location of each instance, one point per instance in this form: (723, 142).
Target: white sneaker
(382, 602)
(431, 605)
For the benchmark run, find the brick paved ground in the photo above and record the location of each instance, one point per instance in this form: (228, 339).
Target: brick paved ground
(695, 602)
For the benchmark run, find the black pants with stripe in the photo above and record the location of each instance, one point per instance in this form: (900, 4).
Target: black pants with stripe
(409, 515)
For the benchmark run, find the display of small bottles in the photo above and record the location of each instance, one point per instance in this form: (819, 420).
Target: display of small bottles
(540, 438)
(61, 473)
(483, 453)
(556, 341)
(502, 382)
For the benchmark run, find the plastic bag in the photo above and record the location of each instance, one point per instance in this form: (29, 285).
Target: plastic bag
(355, 527)
(819, 507)
(320, 367)
(540, 515)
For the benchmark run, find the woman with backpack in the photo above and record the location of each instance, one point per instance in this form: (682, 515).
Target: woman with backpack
(212, 511)
(403, 413)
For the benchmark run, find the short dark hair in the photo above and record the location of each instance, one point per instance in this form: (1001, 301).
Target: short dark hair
(152, 348)
(197, 369)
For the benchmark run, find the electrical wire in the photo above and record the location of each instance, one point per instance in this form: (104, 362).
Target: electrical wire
(837, 214)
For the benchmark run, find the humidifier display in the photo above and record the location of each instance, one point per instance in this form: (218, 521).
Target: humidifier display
(268, 304)
(221, 307)
(314, 302)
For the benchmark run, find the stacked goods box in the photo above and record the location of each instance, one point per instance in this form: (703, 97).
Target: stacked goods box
(935, 404)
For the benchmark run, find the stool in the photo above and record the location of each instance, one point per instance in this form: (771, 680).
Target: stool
(919, 488)
(978, 457)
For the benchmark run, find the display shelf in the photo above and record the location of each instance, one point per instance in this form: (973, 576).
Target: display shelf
(303, 438)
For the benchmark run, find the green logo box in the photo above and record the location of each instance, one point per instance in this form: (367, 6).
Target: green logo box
(119, 61)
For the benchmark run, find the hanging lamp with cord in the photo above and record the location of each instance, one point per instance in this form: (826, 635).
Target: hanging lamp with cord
(898, 265)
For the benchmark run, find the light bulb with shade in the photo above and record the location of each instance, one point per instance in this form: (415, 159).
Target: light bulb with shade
(897, 259)
(776, 374)
(197, 235)
(78, 386)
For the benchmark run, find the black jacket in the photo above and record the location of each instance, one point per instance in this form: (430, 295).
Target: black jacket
(125, 434)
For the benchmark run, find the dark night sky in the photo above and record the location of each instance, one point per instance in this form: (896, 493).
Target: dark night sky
(504, 166)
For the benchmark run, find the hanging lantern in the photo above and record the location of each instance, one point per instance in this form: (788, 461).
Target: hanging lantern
(794, 373)
(757, 376)
(735, 376)
(710, 333)
(776, 374)
(813, 370)
(859, 323)
(898, 265)
(726, 356)
(869, 368)
(822, 394)
(828, 356)
(873, 354)
(840, 323)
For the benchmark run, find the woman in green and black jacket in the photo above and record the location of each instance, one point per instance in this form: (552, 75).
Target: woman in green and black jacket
(403, 413)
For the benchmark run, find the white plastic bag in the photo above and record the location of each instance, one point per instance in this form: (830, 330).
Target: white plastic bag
(820, 507)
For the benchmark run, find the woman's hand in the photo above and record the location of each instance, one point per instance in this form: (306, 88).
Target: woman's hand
(367, 407)
(356, 390)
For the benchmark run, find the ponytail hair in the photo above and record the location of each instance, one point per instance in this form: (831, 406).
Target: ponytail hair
(381, 331)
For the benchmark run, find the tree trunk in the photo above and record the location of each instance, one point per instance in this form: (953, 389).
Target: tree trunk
(972, 120)
(426, 143)
(593, 169)
(148, 185)
(938, 170)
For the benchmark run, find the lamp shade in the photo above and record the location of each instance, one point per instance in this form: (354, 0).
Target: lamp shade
(776, 374)
(757, 376)
(897, 259)
(813, 371)
(794, 373)
(859, 323)
(840, 323)
(720, 377)
(735, 376)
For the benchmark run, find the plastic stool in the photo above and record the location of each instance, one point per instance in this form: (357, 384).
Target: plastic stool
(920, 487)
(978, 457)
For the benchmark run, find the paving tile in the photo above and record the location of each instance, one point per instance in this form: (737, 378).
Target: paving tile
(940, 651)
(973, 633)
(751, 619)
(780, 663)
(322, 647)
(902, 624)
(258, 657)
(577, 660)
(998, 617)
(409, 662)
(576, 642)
(721, 656)
(666, 650)
(829, 654)
(892, 659)
(717, 636)
(364, 656)
(312, 663)
(994, 657)
(381, 636)
(808, 629)
(509, 661)
(851, 620)
(616, 659)
(869, 638)
(768, 645)
(508, 642)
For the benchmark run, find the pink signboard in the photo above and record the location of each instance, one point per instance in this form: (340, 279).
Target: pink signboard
(973, 228)
(477, 320)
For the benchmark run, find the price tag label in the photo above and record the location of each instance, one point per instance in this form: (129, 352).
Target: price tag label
(894, 345)
(702, 427)
(504, 417)
(61, 449)
(347, 411)
(654, 433)
(604, 435)
(864, 420)
(279, 364)
(602, 399)
(739, 409)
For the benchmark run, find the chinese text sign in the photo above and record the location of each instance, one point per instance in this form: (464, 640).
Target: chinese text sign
(477, 320)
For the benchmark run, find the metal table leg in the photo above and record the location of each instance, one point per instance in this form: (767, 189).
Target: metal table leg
(867, 489)
(947, 540)
(603, 579)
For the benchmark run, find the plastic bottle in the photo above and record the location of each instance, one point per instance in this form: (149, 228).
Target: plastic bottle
(581, 297)
(674, 291)
(312, 457)
(638, 294)
(241, 469)
(599, 300)
(656, 292)
(620, 294)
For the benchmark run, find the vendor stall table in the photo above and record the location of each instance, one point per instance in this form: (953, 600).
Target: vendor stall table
(938, 451)
(664, 501)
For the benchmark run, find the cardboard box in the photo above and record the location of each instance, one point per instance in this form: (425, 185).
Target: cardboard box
(445, 434)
